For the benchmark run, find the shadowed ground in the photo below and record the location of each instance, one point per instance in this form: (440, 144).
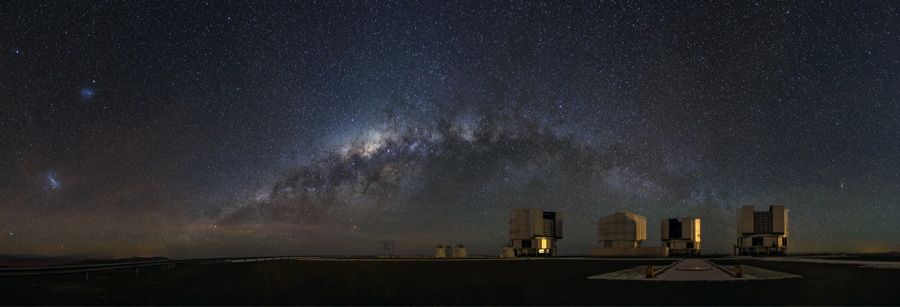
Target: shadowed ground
(530, 282)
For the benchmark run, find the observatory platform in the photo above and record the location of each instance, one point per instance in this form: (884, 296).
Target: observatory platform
(694, 269)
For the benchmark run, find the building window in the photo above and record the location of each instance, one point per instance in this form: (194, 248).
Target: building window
(783, 241)
(758, 241)
(690, 245)
(526, 243)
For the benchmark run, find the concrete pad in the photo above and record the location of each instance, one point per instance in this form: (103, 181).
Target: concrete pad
(695, 269)
(861, 263)
(688, 270)
(481, 259)
(635, 273)
(759, 273)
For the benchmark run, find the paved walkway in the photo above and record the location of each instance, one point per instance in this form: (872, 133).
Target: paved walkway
(476, 258)
(696, 269)
(693, 269)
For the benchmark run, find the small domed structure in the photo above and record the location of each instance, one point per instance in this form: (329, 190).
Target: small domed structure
(507, 251)
(460, 251)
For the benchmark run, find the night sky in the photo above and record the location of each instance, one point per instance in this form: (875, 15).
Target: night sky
(237, 129)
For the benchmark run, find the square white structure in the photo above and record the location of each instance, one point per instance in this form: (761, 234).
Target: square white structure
(622, 234)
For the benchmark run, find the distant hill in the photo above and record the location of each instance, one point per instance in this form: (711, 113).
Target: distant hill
(887, 254)
(24, 261)
(18, 261)
(120, 260)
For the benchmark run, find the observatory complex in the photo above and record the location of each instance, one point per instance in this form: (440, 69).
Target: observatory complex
(533, 232)
(441, 251)
(681, 237)
(762, 232)
(621, 234)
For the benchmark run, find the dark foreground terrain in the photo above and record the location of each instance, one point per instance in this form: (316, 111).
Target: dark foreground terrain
(531, 282)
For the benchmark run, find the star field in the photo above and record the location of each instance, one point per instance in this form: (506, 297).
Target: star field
(232, 129)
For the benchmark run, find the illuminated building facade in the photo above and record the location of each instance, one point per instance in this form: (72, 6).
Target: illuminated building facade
(533, 232)
(762, 232)
(681, 237)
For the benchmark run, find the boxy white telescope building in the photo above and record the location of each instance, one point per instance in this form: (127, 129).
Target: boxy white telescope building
(622, 229)
(762, 232)
(622, 234)
(533, 232)
(681, 237)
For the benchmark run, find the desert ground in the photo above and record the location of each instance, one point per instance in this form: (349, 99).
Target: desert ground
(437, 282)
